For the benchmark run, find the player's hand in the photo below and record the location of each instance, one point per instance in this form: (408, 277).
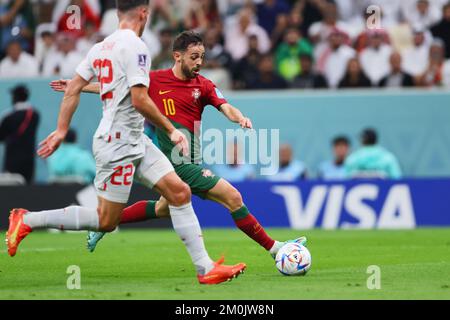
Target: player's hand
(180, 141)
(50, 144)
(59, 85)
(246, 123)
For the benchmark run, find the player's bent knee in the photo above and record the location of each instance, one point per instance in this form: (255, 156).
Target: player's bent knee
(234, 200)
(181, 195)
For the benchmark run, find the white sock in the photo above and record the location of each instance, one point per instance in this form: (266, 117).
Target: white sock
(70, 218)
(186, 225)
(276, 246)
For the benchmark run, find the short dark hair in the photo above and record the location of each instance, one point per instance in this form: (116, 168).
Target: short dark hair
(13, 41)
(341, 140)
(266, 56)
(369, 137)
(186, 39)
(305, 56)
(166, 31)
(127, 5)
(46, 34)
(20, 93)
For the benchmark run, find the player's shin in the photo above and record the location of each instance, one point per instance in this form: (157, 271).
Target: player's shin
(138, 212)
(248, 224)
(186, 225)
(70, 218)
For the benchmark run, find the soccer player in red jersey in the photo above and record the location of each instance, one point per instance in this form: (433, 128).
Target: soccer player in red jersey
(182, 94)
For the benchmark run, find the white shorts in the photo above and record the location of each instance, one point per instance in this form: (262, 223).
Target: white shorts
(119, 164)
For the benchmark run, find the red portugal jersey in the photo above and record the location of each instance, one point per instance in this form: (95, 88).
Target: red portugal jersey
(183, 101)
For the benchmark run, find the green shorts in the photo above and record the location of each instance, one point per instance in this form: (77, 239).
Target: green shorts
(199, 179)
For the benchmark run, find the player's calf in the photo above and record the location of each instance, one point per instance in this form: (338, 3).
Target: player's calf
(107, 226)
(109, 216)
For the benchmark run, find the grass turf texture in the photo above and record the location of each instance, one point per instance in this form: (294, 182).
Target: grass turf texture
(155, 265)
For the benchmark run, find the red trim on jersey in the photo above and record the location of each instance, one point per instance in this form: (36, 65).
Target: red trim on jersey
(107, 96)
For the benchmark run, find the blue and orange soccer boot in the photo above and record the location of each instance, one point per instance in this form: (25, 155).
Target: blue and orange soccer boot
(221, 273)
(17, 230)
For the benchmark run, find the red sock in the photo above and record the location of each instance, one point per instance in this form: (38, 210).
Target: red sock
(251, 227)
(140, 211)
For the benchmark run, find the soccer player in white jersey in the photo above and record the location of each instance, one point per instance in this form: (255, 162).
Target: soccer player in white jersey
(122, 152)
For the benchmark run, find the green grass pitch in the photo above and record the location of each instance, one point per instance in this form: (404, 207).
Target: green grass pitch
(154, 264)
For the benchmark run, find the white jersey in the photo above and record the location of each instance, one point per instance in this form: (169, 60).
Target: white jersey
(119, 62)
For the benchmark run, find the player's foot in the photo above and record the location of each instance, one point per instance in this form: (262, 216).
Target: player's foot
(221, 273)
(278, 245)
(93, 238)
(17, 230)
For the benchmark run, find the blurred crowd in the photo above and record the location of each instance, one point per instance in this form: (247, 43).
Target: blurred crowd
(259, 44)
(369, 160)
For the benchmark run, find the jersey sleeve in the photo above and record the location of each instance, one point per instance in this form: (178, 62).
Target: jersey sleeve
(213, 95)
(137, 63)
(85, 70)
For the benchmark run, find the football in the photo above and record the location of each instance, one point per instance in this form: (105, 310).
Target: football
(293, 259)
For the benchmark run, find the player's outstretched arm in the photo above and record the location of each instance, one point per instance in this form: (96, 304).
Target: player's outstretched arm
(145, 105)
(236, 116)
(61, 86)
(68, 107)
